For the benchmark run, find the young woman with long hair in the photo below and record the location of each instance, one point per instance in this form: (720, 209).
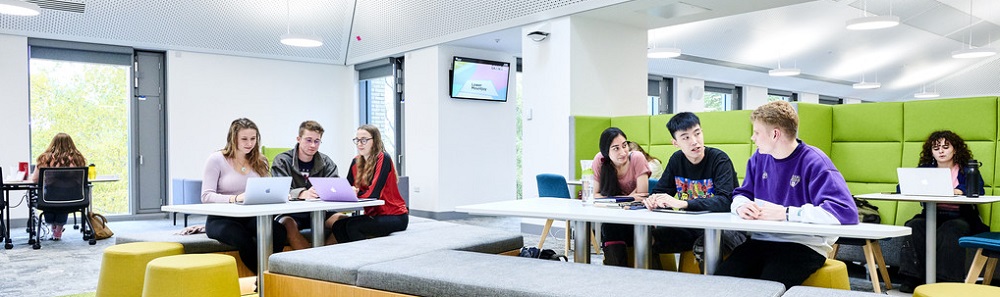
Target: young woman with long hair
(617, 172)
(61, 152)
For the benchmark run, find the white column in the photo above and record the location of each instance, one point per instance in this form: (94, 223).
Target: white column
(14, 99)
(754, 97)
(689, 95)
(808, 97)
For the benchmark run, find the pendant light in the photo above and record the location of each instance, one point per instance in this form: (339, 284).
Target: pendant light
(973, 52)
(656, 52)
(300, 40)
(873, 22)
(20, 8)
(864, 85)
(783, 71)
(925, 94)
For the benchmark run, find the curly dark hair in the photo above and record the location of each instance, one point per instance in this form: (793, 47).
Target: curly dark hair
(962, 152)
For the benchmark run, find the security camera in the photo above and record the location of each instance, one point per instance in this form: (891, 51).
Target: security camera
(538, 36)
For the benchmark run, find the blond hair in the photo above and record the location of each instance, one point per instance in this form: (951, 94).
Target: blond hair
(779, 114)
(255, 159)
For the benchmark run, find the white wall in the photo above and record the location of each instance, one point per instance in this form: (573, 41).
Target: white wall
(754, 96)
(808, 98)
(688, 95)
(14, 111)
(459, 151)
(608, 68)
(206, 92)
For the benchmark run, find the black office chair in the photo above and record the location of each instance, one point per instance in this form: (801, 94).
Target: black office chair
(63, 189)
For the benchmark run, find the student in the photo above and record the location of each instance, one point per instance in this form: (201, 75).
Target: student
(942, 149)
(786, 180)
(61, 152)
(301, 162)
(226, 174)
(618, 173)
(654, 164)
(704, 177)
(373, 175)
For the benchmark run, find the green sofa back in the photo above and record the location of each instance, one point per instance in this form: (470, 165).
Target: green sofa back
(867, 142)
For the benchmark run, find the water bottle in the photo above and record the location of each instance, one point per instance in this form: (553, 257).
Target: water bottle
(588, 189)
(91, 171)
(972, 178)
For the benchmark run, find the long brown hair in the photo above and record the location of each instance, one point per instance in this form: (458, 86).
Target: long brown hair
(255, 159)
(366, 164)
(962, 152)
(61, 152)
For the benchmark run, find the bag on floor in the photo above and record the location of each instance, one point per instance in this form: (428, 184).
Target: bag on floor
(100, 226)
(546, 254)
(867, 213)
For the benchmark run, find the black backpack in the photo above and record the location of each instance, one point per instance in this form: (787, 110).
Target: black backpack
(546, 254)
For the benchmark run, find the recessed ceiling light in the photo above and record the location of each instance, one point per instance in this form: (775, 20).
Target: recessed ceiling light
(15, 7)
(784, 72)
(867, 85)
(969, 53)
(663, 53)
(873, 22)
(301, 40)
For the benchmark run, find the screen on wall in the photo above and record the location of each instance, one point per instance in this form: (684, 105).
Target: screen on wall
(479, 79)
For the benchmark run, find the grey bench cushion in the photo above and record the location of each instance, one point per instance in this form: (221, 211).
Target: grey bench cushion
(456, 273)
(340, 263)
(802, 291)
(193, 244)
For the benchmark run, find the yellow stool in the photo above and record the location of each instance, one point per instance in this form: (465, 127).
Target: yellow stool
(955, 289)
(832, 275)
(192, 275)
(124, 265)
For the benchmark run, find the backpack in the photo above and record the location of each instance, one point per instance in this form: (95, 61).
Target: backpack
(867, 213)
(546, 254)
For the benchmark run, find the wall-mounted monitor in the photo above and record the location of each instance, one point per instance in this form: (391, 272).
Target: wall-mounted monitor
(479, 79)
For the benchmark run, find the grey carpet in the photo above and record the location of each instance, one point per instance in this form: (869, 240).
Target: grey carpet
(71, 266)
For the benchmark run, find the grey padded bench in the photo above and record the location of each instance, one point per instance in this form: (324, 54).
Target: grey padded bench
(340, 263)
(193, 244)
(803, 291)
(458, 273)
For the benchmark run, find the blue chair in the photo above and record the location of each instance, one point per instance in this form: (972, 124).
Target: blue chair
(186, 191)
(987, 245)
(554, 186)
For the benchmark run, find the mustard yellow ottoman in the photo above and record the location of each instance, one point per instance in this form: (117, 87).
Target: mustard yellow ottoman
(832, 275)
(194, 275)
(955, 289)
(124, 265)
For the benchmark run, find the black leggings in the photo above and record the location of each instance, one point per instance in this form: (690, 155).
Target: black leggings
(241, 233)
(363, 227)
(786, 262)
(950, 256)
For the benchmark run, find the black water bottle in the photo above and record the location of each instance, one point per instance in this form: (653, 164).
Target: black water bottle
(972, 178)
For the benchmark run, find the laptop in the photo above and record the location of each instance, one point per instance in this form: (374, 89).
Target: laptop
(335, 189)
(925, 181)
(267, 190)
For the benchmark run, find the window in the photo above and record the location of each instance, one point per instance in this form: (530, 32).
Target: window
(86, 95)
(658, 95)
(830, 100)
(780, 95)
(721, 97)
(519, 133)
(381, 103)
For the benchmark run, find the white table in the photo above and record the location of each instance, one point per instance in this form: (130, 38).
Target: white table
(265, 216)
(712, 223)
(931, 216)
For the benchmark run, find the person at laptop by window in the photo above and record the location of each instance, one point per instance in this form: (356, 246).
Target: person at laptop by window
(226, 174)
(61, 152)
(301, 162)
(942, 149)
(373, 175)
(618, 173)
(786, 180)
(703, 176)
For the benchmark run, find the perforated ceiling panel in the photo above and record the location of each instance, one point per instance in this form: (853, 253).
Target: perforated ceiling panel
(243, 27)
(394, 24)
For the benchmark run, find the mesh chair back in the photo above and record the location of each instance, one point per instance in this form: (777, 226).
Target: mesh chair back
(62, 187)
(552, 185)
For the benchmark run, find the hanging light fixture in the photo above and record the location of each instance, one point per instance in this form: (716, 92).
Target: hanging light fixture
(301, 40)
(873, 22)
(973, 52)
(15, 7)
(783, 71)
(864, 85)
(925, 94)
(663, 53)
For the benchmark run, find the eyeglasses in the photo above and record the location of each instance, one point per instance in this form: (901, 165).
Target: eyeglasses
(361, 141)
(313, 141)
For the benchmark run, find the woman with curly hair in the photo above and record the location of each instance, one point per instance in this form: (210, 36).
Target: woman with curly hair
(943, 149)
(61, 152)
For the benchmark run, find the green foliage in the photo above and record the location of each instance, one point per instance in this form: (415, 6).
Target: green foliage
(714, 101)
(90, 102)
(519, 135)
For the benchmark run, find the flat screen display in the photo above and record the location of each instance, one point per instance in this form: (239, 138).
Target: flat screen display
(479, 79)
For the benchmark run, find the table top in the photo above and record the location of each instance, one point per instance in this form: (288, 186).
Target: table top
(567, 209)
(238, 210)
(935, 199)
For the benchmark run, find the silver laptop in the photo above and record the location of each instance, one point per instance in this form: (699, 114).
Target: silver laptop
(925, 181)
(267, 190)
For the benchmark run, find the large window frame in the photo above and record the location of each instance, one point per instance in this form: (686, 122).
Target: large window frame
(389, 67)
(732, 95)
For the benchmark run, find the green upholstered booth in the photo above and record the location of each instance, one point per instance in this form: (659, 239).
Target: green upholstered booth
(867, 142)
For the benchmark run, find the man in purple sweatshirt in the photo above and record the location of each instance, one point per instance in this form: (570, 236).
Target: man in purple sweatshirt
(786, 180)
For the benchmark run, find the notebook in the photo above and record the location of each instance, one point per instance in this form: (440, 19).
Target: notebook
(334, 189)
(925, 181)
(266, 190)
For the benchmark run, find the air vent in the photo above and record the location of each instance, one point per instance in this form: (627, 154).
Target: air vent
(60, 5)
